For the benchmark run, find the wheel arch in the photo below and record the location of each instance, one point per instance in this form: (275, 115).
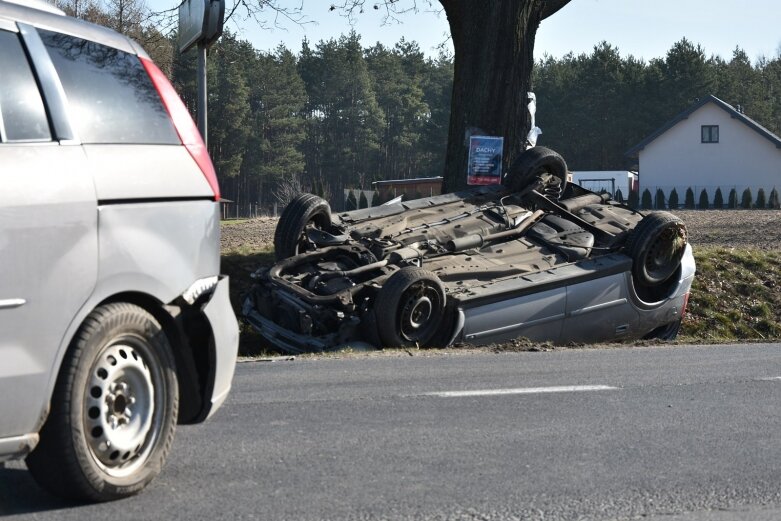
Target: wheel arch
(194, 354)
(189, 334)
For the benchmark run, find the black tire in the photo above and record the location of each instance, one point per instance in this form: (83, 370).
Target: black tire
(667, 332)
(409, 308)
(303, 211)
(531, 164)
(113, 410)
(656, 246)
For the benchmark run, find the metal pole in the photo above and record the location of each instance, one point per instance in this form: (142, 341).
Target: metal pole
(202, 126)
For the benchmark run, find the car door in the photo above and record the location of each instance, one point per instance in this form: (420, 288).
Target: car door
(48, 228)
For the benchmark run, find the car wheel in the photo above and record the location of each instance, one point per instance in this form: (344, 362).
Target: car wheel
(409, 308)
(304, 211)
(113, 410)
(533, 163)
(656, 246)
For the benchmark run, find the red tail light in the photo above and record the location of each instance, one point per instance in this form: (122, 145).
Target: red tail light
(685, 304)
(183, 124)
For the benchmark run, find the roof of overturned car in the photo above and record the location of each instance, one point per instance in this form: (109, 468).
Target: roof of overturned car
(533, 257)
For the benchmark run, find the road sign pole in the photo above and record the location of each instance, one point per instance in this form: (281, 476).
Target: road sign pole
(202, 124)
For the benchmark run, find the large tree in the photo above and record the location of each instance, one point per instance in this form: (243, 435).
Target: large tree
(493, 43)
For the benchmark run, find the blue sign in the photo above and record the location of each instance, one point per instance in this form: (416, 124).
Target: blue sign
(485, 160)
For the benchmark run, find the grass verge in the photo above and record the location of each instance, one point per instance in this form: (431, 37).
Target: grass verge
(735, 296)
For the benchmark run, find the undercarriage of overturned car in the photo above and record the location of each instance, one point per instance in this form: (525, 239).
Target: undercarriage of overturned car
(535, 257)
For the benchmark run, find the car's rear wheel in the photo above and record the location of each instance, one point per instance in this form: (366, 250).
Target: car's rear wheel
(303, 212)
(656, 245)
(533, 163)
(113, 410)
(409, 308)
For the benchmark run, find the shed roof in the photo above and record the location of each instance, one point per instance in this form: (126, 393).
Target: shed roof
(734, 114)
(417, 180)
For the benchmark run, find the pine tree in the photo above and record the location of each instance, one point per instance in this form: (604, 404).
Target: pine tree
(362, 201)
(375, 199)
(397, 81)
(647, 200)
(659, 202)
(673, 202)
(732, 201)
(619, 197)
(746, 199)
(774, 202)
(687, 75)
(634, 200)
(688, 203)
(350, 203)
(718, 200)
(761, 201)
(345, 122)
(275, 148)
(704, 204)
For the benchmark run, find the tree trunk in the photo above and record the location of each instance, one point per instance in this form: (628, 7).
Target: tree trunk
(494, 55)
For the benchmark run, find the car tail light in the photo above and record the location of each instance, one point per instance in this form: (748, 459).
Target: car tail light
(183, 123)
(685, 303)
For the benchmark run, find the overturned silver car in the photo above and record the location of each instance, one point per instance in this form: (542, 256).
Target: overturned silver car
(535, 257)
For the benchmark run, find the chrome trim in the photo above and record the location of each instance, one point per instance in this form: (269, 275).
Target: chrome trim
(516, 326)
(597, 307)
(11, 303)
(51, 87)
(8, 25)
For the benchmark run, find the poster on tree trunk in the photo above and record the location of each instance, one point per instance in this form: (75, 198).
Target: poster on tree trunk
(485, 160)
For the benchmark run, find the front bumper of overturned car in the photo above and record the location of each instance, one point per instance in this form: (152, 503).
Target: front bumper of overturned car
(282, 338)
(585, 302)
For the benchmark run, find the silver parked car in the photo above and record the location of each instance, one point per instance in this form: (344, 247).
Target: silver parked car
(115, 324)
(536, 258)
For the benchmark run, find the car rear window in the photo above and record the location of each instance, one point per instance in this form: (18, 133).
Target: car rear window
(22, 116)
(111, 97)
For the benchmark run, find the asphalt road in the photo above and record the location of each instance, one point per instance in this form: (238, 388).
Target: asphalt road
(674, 434)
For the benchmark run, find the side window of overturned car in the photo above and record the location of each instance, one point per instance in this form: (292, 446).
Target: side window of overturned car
(22, 114)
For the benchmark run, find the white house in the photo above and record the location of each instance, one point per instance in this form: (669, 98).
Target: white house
(708, 146)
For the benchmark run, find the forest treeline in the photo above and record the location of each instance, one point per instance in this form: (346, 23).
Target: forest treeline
(340, 114)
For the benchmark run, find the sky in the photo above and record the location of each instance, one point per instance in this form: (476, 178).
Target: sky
(643, 28)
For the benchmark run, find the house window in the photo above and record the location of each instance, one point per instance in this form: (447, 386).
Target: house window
(710, 133)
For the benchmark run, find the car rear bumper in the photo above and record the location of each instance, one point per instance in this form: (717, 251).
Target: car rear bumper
(225, 336)
(17, 446)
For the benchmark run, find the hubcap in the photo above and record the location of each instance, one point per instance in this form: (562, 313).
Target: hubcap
(123, 411)
(418, 317)
(664, 253)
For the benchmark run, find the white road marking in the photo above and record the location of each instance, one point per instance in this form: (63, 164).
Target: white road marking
(524, 390)
(770, 379)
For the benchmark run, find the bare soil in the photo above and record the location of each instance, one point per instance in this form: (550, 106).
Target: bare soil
(248, 235)
(759, 229)
(755, 229)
